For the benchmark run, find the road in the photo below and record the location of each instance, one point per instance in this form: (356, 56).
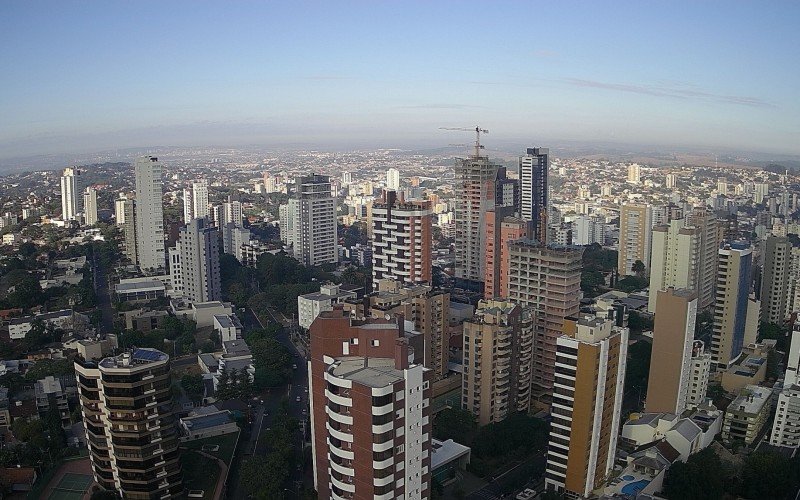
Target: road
(263, 414)
(103, 295)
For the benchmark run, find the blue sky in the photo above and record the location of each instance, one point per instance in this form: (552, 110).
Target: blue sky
(91, 75)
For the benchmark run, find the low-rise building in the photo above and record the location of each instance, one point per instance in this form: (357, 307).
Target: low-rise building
(786, 426)
(447, 458)
(205, 422)
(50, 396)
(750, 368)
(144, 320)
(140, 289)
(66, 319)
(228, 327)
(89, 349)
(747, 414)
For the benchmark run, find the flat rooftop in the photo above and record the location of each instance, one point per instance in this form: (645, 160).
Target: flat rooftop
(135, 286)
(372, 372)
(227, 321)
(751, 399)
(135, 357)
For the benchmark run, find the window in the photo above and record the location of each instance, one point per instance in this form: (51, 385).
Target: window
(375, 342)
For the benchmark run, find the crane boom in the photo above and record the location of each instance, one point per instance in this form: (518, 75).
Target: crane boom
(478, 131)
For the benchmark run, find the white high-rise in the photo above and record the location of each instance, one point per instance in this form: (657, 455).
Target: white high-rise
(393, 179)
(313, 211)
(149, 214)
(119, 211)
(634, 174)
(786, 427)
(674, 261)
(198, 250)
(195, 201)
(70, 194)
(90, 206)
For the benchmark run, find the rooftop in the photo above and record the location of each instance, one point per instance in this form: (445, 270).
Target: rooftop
(227, 321)
(443, 452)
(134, 357)
(751, 399)
(198, 422)
(127, 286)
(44, 317)
(372, 372)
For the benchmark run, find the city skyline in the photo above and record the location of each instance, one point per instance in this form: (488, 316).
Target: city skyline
(93, 77)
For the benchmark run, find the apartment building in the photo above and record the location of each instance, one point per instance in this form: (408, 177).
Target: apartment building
(635, 223)
(775, 279)
(674, 261)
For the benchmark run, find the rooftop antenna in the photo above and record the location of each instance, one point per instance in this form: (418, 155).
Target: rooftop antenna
(477, 131)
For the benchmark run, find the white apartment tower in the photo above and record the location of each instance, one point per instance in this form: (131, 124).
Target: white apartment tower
(674, 262)
(700, 369)
(70, 194)
(149, 214)
(198, 249)
(786, 426)
(195, 201)
(393, 179)
(313, 213)
(634, 174)
(90, 206)
(635, 233)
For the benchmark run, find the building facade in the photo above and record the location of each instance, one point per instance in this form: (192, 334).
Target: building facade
(401, 239)
(705, 223)
(587, 402)
(534, 167)
(786, 426)
(498, 361)
(150, 249)
(674, 259)
(313, 227)
(131, 431)
(775, 279)
(673, 339)
(635, 224)
(370, 411)
(732, 330)
(70, 193)
(198, 250)
(90, 206)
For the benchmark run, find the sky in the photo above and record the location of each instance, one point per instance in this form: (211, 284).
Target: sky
(91, 75)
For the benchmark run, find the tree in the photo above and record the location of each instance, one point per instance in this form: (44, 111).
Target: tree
(193, 385)
(702, 477)
(263, 477)
(638, 268)
(638, 322)
(704, 326)
(456, 424)
(768, 475)
(638, 369)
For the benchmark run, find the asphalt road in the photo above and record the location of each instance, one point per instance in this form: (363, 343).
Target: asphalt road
(101, 289)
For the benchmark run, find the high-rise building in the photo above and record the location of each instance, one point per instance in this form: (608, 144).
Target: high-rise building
(787, 416)
(401, 239)
(635, 232)
(347, 178)
(231, 213)
(498, 357)
(671, 181)
(587, 402)
(131, 432)
(699, 371)
(760, 191)
(119, 211)
(775, 279)
(546, 279)
(188, 205)
(722, 185)
(90, 206)
(673, 338)
(370, 411)
(313, 221)
(501, 230)
(732, 304)
(708, 231)
(477, 181)
(674, 261)
(200, 198)
(70, 193)
(129, 230)
(149, 214)
(198, 249)
(533, 171)
(634, 174)
(393, 179)
(233, 238)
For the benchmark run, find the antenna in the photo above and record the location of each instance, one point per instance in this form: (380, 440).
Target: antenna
(477, 131)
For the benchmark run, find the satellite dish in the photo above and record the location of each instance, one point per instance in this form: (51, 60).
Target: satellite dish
(388, 317)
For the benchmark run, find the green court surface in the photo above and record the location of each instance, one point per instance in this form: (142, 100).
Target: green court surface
(71, 487)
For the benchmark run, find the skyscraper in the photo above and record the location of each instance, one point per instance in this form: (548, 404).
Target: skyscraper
(674, 261)
(90, 206)
(590, 376)
(671, 181)
(370, 411)
(313, 213)
(149, 214)
(787, 416)
(635, 225)
(393, 179)
(634, 174)
(198, 248)
(200, 199)
(498, 356)
(705, 222)
(401, 239)
(131, 432)
(670, 365)
(732, 304)
(70, 193)
(119, 211)
(775, 279)
(533, 171)
(129, 230)
(546, 279)
(475, 193)
(501, 229)
(233, 238)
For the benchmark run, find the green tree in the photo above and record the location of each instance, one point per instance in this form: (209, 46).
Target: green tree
(456, 424)
(768, 475)
(702, 477)
(638, 369)
(638, 268)
(193, 385)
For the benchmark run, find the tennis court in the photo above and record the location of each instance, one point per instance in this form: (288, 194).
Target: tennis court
(71, 487)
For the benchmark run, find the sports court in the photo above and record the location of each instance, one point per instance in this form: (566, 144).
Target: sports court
(71, 487)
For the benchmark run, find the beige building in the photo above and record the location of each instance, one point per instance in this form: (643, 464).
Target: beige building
(635, 224)
(750, 368)
(775, 279)
(670, 366)
(699, 370)
(546, 279)
(747, 414)
(674, 261)
(587, 400)
(735, 313)
(498, 348)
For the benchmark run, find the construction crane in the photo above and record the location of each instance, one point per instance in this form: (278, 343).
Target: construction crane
(477, 131)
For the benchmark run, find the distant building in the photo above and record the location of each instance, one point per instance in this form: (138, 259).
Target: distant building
(393, 179)
(50, 396)
(90, 206)
(310, 221)
(635, 223)
(70, 194)
(310, 305)
(534, 168)
(674, 261)
(228, 327)
(775, 279)
(150, 248)
(199, 277)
